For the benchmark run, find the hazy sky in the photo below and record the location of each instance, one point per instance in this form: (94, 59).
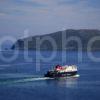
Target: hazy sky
(46, 16)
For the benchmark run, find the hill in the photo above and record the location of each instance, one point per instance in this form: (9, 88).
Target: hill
(60, 39)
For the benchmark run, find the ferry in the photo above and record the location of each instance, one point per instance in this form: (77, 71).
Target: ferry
(62, 71)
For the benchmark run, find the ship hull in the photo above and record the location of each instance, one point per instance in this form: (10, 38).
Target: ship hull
(52, 74)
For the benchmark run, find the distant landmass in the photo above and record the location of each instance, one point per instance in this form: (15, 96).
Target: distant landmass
(59, 38)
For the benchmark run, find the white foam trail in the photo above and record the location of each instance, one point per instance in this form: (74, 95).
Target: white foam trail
(76, 75)
(34, 79)
(26, 80)
(42, 78)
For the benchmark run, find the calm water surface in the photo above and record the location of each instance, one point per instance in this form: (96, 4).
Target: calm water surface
(19, 79)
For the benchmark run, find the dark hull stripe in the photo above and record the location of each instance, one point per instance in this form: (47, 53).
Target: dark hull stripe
(57, 74)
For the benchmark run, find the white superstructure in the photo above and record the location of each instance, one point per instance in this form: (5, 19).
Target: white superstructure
(67, 68)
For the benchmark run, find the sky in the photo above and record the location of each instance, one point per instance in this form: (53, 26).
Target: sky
(39, 17)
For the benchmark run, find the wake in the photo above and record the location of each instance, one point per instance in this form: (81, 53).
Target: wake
(9, 81)
(32, 79)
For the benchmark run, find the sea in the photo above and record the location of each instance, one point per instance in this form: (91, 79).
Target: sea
(22, 75)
